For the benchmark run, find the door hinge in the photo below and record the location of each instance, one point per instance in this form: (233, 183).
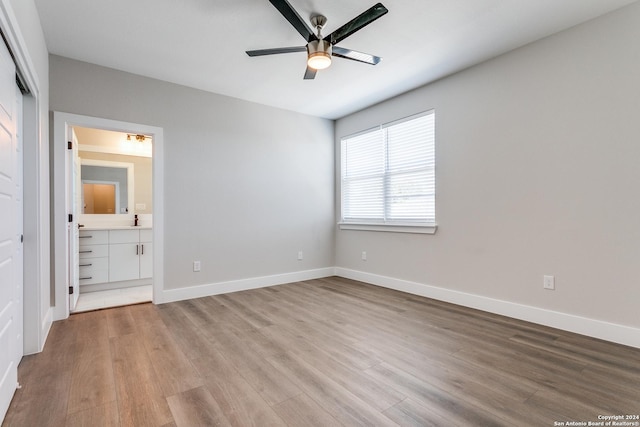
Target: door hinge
(70, 290)
(69, 145)
(70, 217)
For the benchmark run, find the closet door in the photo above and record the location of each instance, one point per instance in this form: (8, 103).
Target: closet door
(10, 235)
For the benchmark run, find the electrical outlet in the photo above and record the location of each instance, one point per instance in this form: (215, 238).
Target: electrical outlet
(549, 282)
(196, 265)
(364, 255)
(300, 256)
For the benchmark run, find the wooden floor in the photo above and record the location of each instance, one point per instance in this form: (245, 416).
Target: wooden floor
(319, 353)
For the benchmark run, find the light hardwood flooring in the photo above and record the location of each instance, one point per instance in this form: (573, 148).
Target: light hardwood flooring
(324, 352)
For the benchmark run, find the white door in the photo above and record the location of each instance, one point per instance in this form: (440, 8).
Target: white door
(10, 270)
(72, 226)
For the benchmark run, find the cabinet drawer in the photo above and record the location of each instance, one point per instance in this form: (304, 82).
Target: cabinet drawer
(146, 235)
(90, 264)
(93, 237)
(93, 251)
(124, 236)
(94, 270)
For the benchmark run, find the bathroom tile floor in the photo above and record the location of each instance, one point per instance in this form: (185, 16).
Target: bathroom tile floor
(113, 298)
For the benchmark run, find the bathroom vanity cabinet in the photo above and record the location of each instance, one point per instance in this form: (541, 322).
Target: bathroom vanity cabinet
(115, 255)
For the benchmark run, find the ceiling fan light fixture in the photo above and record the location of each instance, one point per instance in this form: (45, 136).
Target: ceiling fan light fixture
(319, 54)
(319, 61)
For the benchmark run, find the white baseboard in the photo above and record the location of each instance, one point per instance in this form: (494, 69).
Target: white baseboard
(581, 325)
(47, 322)
(42, 334)
(199, 291)
(620, 334)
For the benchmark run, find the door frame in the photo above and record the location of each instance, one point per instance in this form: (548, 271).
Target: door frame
(37, 310)
(61, 124)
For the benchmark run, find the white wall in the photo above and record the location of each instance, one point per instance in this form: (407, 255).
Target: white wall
(29, 22)
(246, 186)
(538, 172)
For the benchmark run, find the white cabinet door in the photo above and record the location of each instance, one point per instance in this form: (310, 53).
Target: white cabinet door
(124, 261)
(146, 260)
(130, 255)
(146, 254)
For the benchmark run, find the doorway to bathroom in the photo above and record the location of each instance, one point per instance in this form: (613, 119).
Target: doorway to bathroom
(111, 252)
(108, 249)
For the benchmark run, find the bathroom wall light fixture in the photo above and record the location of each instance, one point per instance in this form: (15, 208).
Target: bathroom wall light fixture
(138, 137)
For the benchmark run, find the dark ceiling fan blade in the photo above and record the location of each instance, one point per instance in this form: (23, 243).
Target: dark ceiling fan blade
(310, 73)
(355, 55)
(294, 19)
(276, 50)
(357, 23)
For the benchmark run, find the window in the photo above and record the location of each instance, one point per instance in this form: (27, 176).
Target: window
(388, 176)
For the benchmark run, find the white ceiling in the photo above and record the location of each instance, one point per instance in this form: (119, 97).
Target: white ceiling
(202, 43)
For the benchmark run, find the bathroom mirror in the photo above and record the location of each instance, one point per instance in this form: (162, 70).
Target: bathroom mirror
(106, 187)
(111, 153)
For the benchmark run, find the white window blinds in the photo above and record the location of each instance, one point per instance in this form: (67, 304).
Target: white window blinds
(388, 173)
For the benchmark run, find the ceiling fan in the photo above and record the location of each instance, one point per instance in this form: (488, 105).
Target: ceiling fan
(320, 49)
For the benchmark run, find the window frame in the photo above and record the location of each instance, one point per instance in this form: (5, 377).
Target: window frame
(402, 226)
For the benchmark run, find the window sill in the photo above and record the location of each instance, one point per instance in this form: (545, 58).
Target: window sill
(394, 228)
